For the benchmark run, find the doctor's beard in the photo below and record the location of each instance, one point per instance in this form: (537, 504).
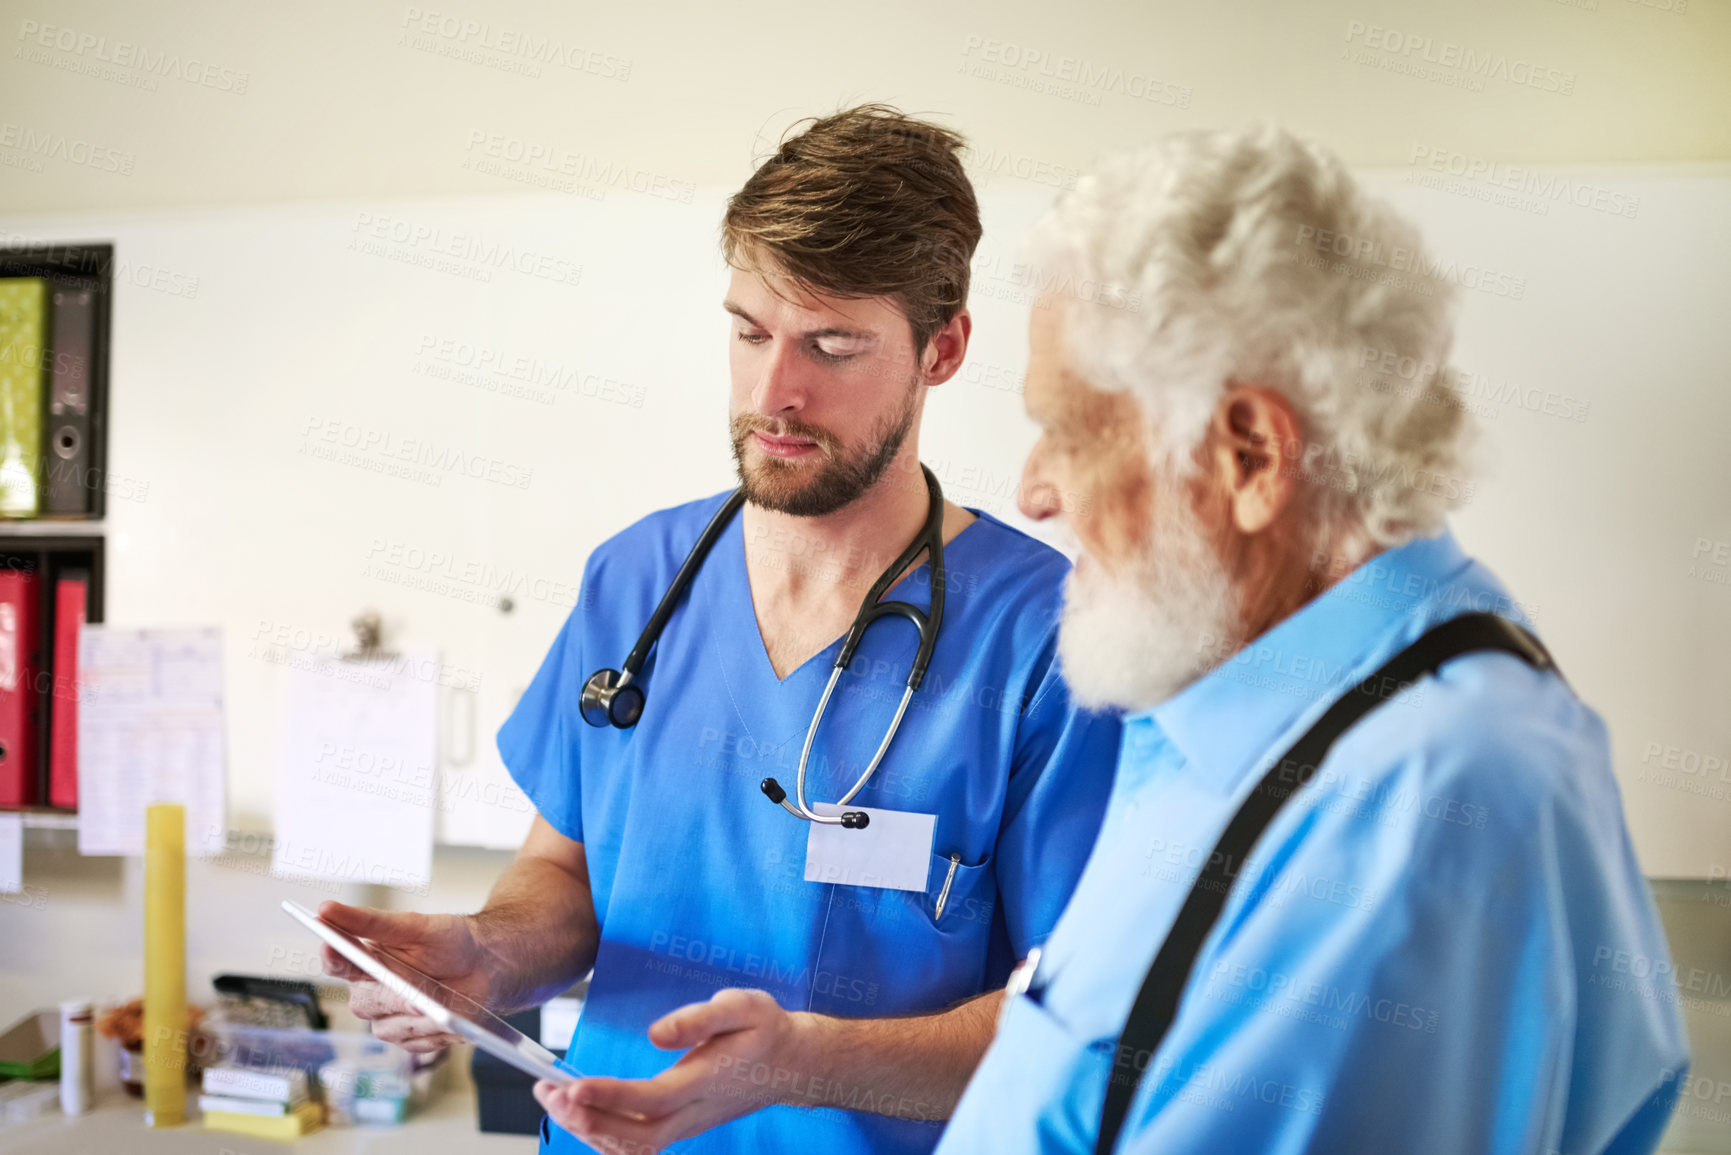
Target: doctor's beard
(776, 485)
(1134, 638)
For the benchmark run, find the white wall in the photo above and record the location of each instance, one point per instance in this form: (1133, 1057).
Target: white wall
(349, 99)
(1597, 524)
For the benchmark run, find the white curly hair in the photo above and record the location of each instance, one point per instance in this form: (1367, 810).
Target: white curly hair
(1253, 257)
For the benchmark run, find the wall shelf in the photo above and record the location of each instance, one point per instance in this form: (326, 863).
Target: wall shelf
(53, 526)
(43, 818)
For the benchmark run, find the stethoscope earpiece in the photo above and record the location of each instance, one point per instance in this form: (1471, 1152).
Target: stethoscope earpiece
(851, 819)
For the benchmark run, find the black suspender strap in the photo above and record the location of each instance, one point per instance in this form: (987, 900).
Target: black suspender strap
(1157, 1002)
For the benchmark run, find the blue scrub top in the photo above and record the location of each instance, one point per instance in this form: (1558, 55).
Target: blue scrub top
(698, 879)
(1442, 943)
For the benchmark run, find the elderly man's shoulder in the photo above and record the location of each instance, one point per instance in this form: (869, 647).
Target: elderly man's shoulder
(1488, 744)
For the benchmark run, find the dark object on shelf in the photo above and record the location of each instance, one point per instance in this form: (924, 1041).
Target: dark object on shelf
(66, 421)
(292, 999)
(503, 1094)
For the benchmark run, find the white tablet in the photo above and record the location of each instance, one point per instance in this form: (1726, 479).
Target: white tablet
(450, 1010)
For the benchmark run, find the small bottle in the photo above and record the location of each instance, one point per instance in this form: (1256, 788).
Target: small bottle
(77, 1063)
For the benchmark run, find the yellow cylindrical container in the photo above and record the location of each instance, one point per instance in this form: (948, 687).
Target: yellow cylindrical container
(165, 965)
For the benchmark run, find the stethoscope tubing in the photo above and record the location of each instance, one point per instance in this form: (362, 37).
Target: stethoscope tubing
(605, 691)
(807, 812)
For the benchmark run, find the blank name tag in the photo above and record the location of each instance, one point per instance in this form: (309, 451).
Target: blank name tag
(893, 852)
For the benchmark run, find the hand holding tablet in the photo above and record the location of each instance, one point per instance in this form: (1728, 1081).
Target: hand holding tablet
(442, 947)
(449, 1010)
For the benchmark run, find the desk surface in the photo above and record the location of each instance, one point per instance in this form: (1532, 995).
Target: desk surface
(117, 1125)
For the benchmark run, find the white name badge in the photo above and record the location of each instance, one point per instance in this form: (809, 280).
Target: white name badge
(894, 851)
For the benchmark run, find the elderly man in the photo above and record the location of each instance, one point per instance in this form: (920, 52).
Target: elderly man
(1364, 879)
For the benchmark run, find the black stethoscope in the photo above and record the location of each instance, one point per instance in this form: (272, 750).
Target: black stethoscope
(615, 698)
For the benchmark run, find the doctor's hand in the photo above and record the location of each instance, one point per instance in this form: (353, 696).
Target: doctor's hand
(743, 1052)
(440, 945)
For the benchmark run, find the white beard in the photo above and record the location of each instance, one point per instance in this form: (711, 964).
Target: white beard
(1133, 639)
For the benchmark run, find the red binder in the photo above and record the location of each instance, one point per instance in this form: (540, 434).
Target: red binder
(18, 660)
(69, 602)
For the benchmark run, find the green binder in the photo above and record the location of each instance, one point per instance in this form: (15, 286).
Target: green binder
(23, 365)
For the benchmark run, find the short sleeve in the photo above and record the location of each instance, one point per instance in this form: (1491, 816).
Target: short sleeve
(538, 742)
(1060, 778)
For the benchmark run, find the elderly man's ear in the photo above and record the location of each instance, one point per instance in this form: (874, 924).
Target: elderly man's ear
(1256, 454)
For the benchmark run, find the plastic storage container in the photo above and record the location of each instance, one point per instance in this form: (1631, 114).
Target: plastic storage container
(353, 1060)
(269, 1048)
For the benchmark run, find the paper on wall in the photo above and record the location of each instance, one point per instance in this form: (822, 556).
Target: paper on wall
(150, 729)
(355, 781)
(478, 803)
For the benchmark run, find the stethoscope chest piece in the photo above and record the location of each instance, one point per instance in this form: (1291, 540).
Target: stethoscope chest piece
(608, 699)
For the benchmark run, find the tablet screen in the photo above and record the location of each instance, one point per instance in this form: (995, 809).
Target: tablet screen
(450, 1009)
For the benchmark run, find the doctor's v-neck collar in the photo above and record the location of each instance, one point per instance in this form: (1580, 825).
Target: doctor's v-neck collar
(733, 596)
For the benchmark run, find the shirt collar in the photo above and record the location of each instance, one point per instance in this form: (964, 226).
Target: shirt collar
(1226, 723)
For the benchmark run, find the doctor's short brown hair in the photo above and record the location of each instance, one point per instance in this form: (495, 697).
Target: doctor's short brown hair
(868, 202)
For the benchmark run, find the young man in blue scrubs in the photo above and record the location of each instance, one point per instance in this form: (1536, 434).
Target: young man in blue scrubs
(813, 1016)
(1441, 943)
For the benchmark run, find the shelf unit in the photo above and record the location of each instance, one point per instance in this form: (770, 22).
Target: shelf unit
(52, 545)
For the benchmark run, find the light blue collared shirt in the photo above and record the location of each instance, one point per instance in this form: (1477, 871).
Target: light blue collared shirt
(1441, 944)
